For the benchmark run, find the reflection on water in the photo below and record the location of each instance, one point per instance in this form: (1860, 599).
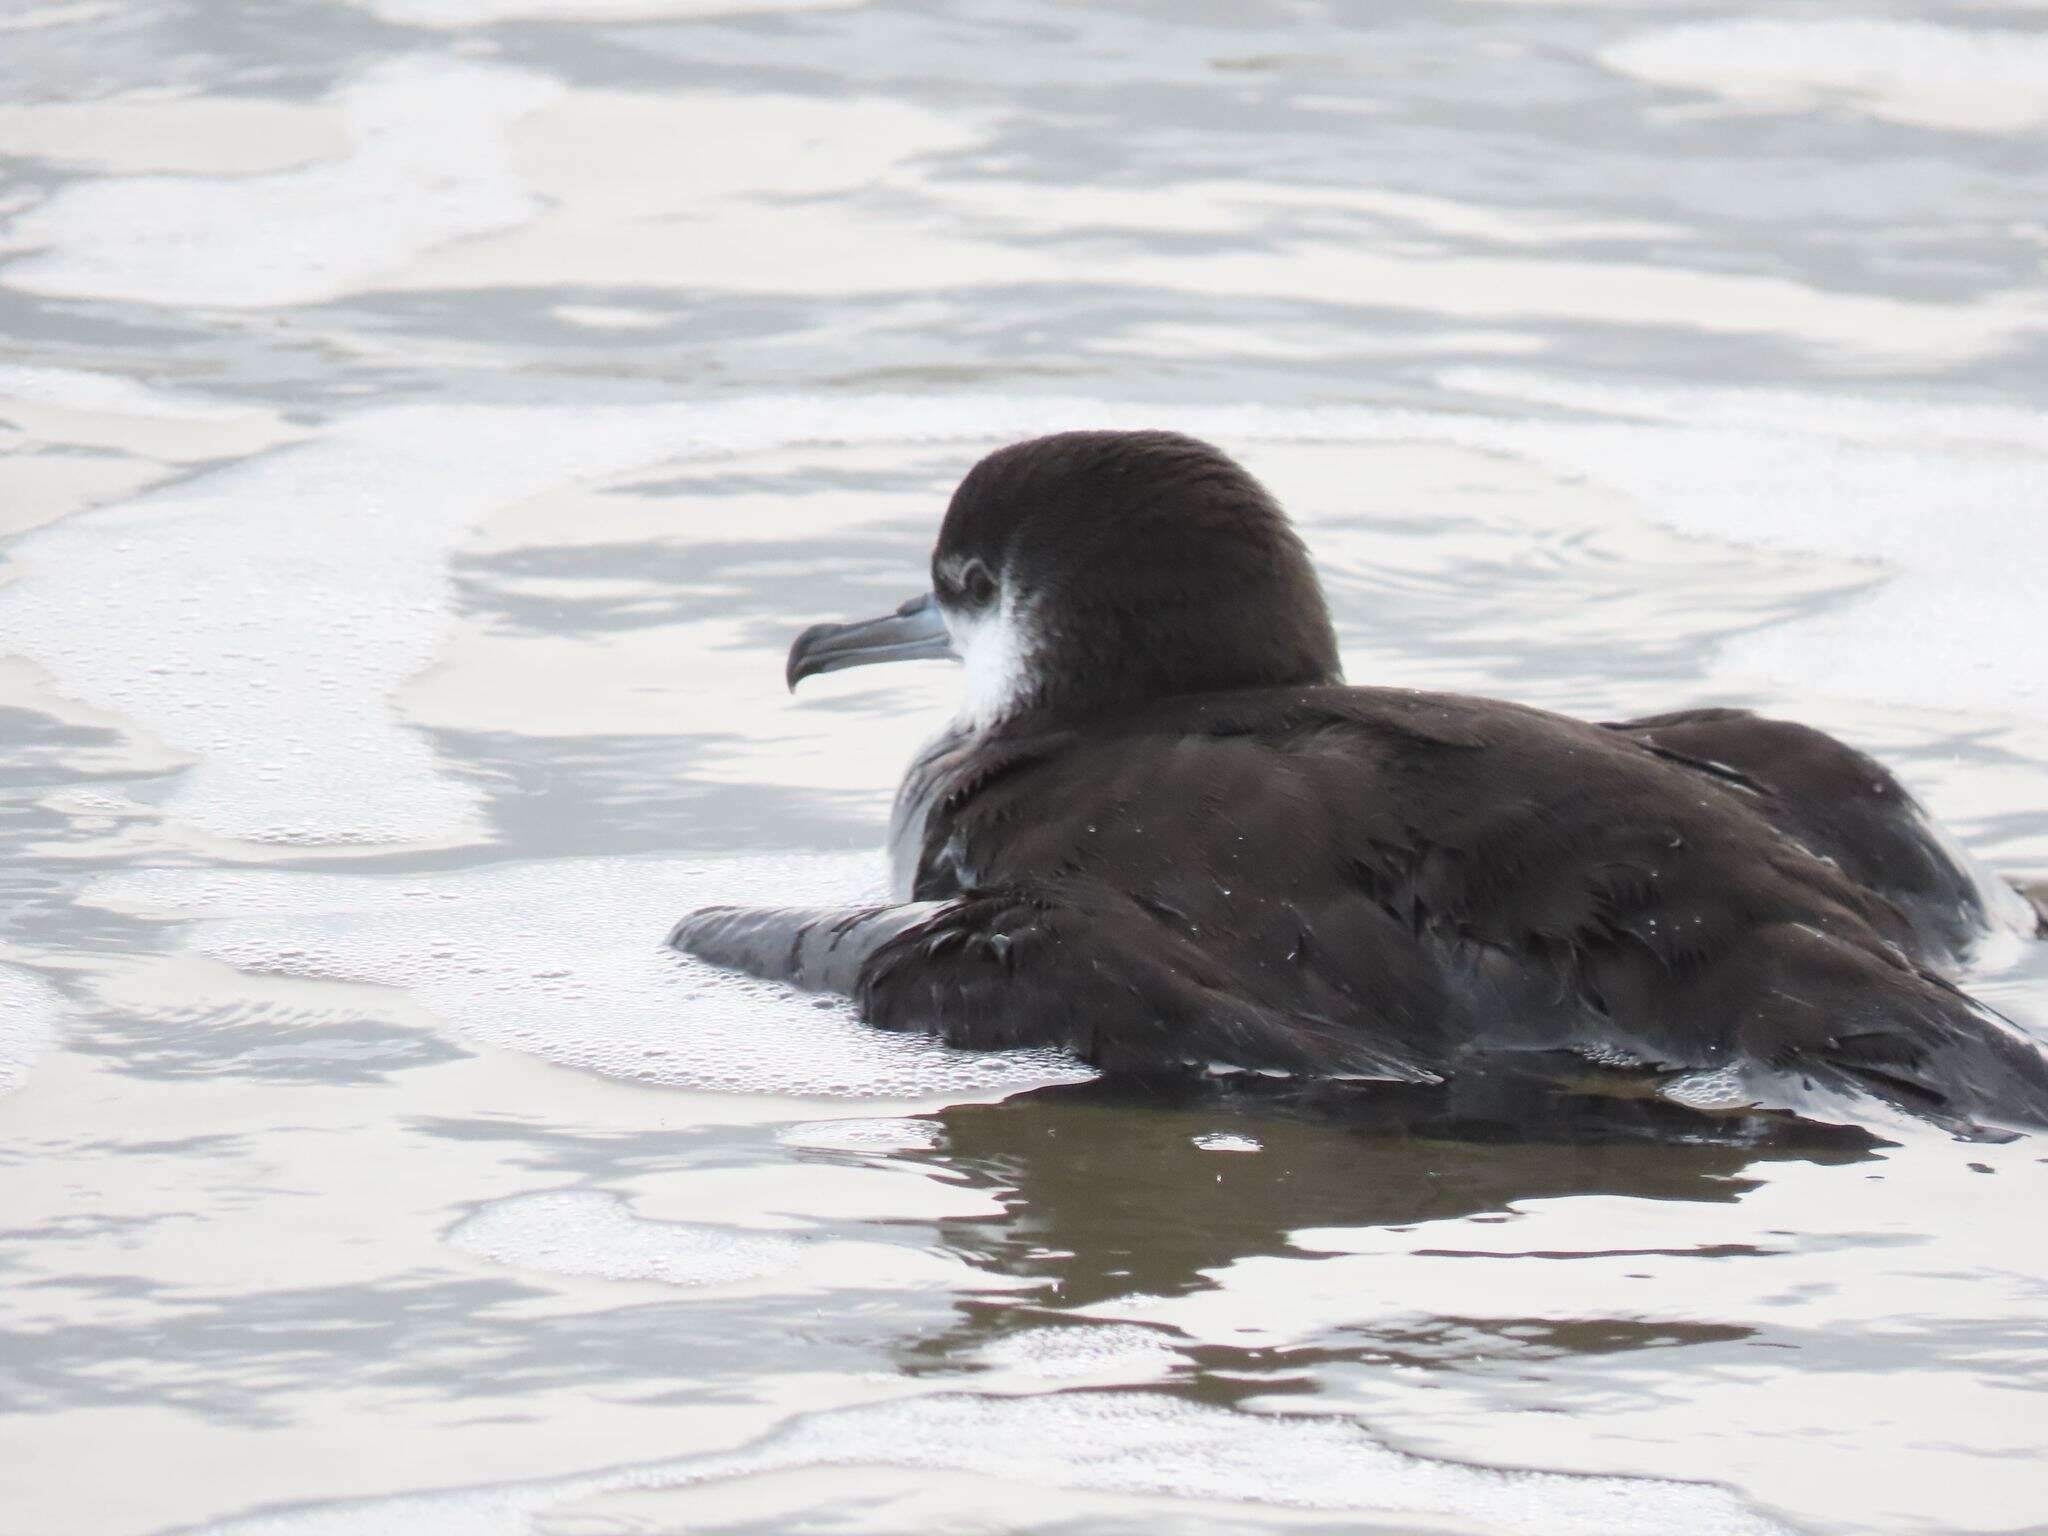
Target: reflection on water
(1107, 1188)
(1112, 1190)
(427, 421)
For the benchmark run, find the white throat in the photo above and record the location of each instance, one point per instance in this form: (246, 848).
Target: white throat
(996, 650)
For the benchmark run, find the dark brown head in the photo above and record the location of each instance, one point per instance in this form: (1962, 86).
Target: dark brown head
(1095, 571)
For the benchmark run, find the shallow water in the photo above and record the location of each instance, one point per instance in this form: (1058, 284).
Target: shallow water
(428, 421)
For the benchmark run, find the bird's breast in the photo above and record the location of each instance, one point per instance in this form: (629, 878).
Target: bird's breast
(926, 781)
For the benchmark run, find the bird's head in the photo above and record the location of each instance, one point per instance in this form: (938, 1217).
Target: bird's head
(1090, 572)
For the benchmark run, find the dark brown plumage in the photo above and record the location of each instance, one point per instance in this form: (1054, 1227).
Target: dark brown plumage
(1182, 843)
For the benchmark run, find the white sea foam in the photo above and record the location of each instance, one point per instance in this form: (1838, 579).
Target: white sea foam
(565, 960)
(1097, 1350)
(28, 1023)
(1107, 1441)
(588, 1232)
(429, 165)
(1908, 71)
(1949, 498)
(258, 616)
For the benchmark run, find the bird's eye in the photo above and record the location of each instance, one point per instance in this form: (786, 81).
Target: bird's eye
(976, 583)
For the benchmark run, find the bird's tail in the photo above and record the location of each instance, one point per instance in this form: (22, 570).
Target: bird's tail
(1908, 1037)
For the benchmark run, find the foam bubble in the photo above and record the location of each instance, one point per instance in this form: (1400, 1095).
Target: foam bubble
(862, 1135)
(1907, 71)
(565, 960)
(1605, 1053)
(588, 1232)
(1106, 1349)
(1718, 1088)
(1104, 1441)
(429, 166)
(1224, 1141)
(28, 1023)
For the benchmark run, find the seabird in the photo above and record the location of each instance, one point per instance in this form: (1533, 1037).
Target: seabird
(1163, 834)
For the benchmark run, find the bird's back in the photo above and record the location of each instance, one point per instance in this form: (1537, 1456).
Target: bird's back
(1455, 874)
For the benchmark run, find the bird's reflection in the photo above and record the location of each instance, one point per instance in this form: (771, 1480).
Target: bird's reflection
(1116, 1187)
